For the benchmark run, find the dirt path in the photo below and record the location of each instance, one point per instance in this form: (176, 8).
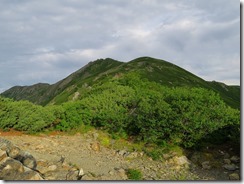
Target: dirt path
(99, 162)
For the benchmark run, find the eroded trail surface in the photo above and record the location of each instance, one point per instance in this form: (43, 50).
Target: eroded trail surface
(102, 163)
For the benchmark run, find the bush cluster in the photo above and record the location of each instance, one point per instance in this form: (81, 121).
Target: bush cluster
(134, 107)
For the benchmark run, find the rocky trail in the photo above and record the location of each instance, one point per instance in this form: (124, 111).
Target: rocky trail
(82, 157)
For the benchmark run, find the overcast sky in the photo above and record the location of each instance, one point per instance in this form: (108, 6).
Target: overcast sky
(46, 40)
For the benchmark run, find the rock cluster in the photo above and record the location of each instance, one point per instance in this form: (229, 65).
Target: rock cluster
(16, 164)
(223, 161)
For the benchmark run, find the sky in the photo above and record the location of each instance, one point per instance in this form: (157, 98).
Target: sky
(45, 41)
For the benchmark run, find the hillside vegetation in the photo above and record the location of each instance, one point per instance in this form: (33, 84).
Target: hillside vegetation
(103, 70)
(131, 106)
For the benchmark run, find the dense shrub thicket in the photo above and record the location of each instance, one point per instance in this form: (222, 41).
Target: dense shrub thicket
(130, 106)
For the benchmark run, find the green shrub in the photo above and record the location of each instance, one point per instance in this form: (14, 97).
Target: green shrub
(134, 174)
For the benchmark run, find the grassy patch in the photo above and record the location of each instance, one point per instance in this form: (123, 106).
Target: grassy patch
(134, 174)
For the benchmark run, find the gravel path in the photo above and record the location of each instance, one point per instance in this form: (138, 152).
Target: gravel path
(101, 163)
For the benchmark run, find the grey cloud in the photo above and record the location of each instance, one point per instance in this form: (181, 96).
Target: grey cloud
(47, 40)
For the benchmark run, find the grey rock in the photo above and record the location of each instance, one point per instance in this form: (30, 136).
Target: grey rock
(230, 167)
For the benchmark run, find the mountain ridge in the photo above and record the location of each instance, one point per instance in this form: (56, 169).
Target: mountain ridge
(156, 70)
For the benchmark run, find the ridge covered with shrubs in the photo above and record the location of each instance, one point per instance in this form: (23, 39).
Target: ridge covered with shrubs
(132, 106)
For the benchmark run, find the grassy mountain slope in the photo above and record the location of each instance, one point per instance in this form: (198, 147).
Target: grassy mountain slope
(101, 70)
(43, 93)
